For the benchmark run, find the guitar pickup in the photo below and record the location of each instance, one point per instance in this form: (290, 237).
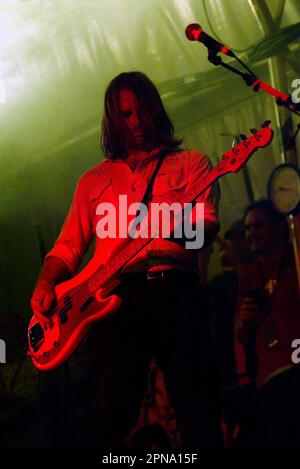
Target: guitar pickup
(63, 312)
(63, 317)
(86, 304)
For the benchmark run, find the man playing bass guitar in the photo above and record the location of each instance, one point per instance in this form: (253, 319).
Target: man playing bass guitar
(164, 311)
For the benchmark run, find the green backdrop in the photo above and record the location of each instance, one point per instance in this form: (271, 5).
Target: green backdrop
(56, 58)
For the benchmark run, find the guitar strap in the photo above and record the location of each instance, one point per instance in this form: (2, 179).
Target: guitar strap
(148, 192)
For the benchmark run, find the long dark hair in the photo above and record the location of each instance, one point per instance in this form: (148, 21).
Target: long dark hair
(154, 119)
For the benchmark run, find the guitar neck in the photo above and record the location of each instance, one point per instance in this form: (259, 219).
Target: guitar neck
(134, 246)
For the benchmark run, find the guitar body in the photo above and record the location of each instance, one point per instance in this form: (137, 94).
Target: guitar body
(76, 309)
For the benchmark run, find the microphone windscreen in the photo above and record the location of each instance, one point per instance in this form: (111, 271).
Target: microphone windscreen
(190, 29)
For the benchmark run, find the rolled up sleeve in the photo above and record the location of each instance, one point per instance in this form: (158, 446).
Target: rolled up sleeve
(76, 233)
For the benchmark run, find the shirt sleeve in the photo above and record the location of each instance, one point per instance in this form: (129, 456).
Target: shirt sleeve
(76, 233)
(199, 167)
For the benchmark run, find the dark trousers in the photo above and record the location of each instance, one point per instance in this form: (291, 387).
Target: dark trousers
(166, 318)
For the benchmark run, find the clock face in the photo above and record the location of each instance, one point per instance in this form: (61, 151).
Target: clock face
(284, 188)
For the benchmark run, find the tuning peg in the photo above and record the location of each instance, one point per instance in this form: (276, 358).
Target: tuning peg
(266, 124)
(253, 131)
(243, 137)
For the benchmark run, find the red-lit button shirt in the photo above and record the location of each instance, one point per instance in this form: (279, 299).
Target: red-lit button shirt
(109, 179)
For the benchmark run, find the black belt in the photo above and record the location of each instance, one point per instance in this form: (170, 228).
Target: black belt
(158, 275)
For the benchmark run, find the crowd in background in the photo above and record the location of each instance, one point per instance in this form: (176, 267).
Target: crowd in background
(255, 316)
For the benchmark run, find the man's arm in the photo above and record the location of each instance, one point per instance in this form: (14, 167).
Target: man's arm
(246, 310)
(54, 271)
(63, 259)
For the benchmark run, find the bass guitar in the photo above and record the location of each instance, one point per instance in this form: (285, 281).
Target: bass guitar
(87, 297)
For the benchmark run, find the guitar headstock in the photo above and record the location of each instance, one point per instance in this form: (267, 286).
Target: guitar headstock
(233, 160)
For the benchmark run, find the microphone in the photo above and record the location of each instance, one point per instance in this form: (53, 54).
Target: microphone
(194, 32)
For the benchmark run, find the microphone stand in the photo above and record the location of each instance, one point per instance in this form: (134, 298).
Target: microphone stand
(252, 80)
(281, 100)
(295, 244)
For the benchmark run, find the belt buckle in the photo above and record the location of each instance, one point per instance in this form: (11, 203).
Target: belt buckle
(155, 275)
